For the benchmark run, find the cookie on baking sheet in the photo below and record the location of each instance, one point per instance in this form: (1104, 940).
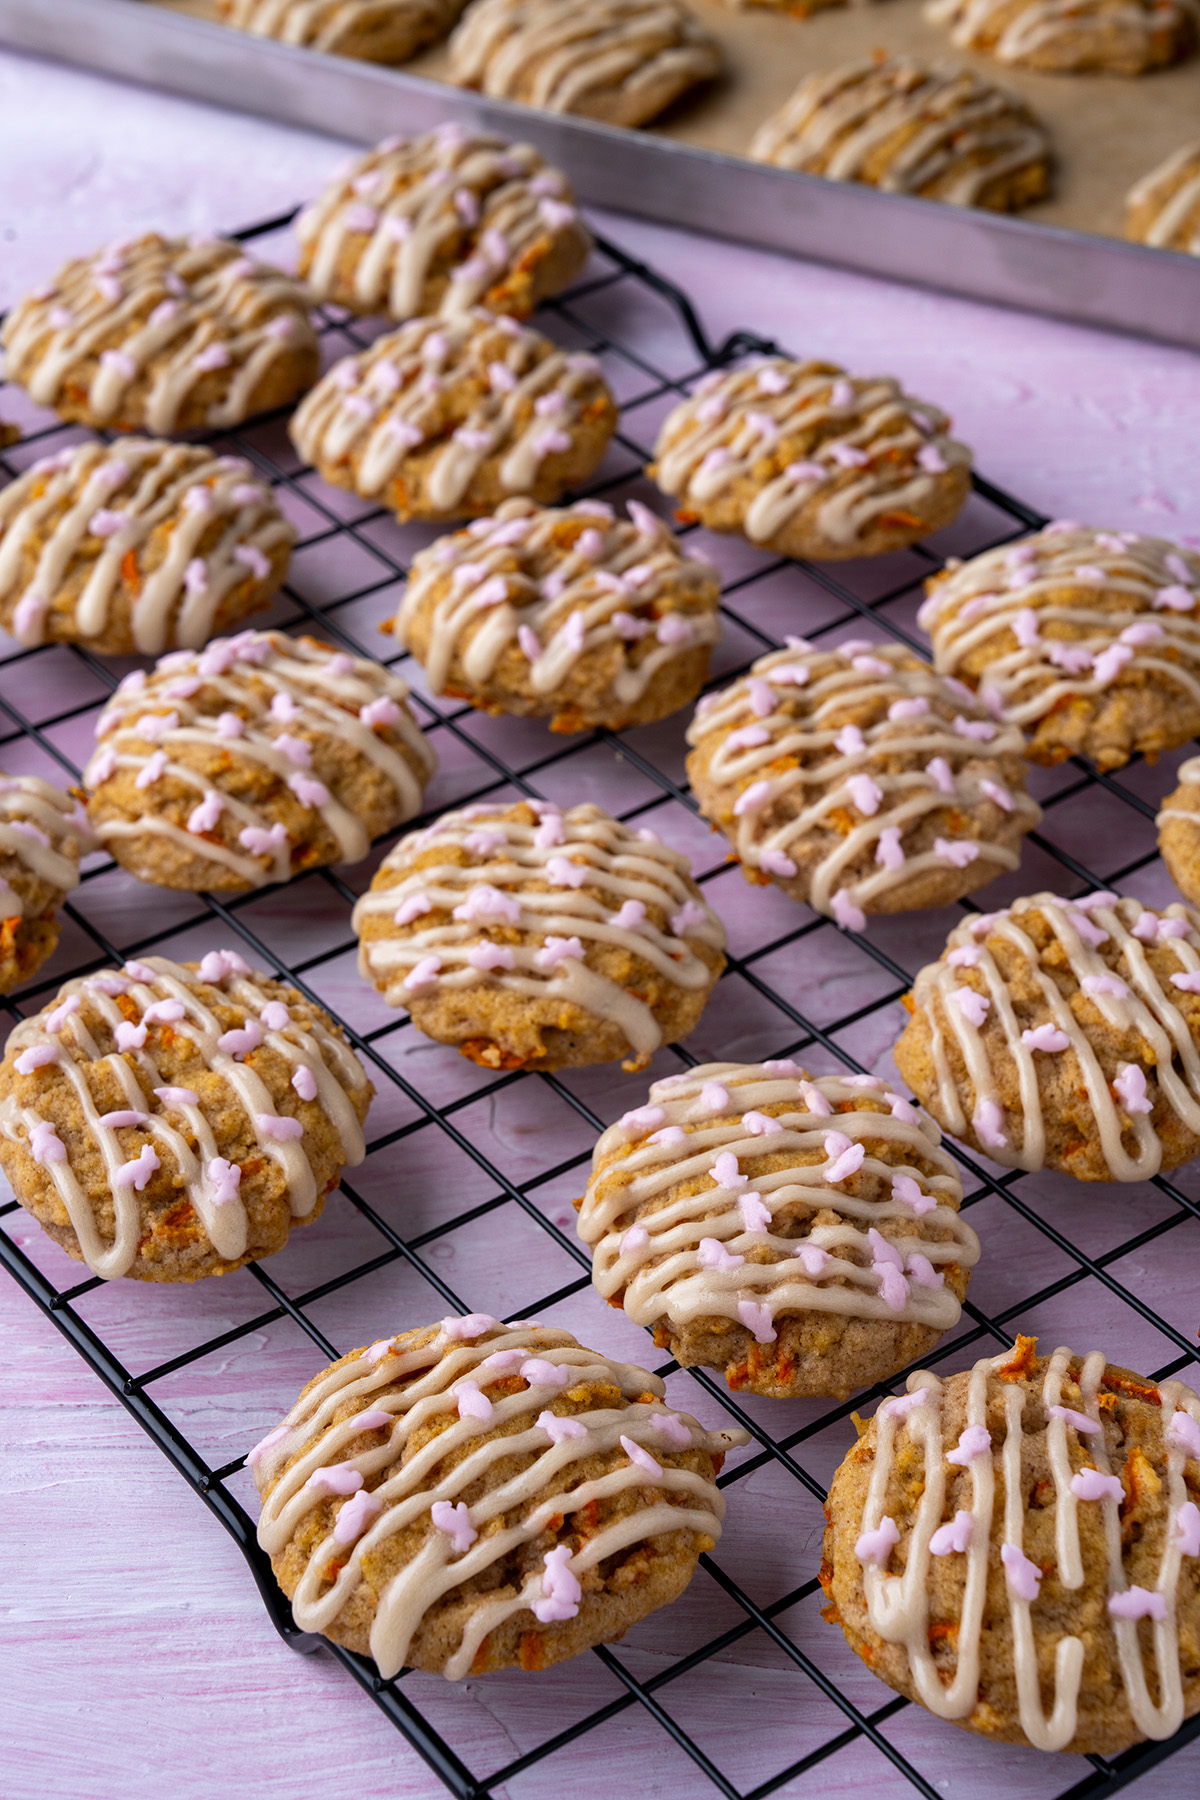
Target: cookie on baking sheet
(1115, 37)
(1179, 830)
(1017, 1548)
(1089, 640)
(620, 61)
(169, 1120)
(137, 546)
(162, 335)
(384, 31)
(260, 758)
(534, 938)
(1064, 1034)
(900, 125)
(809, 461)
(801, 1235)
(446, 418)
(859, 780)
(472, 1496)
(442, 223)
(1163, 208)
(43, 834)
(576, 615)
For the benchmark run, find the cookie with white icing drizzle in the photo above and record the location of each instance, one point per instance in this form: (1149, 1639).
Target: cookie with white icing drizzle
(43, 834)
(442, 223)
(137, 546)
(446, 418)
(169, 1121)
(162, 335)
(902, 126)
(1117, 37)
(260, 758)
(809, 461)
(476, 1496)
(859, 780)
(576, 615)
(620, 61)
(1089, 640)
(1179, 831)
(1163, 208)
(534, 938)
(1064, 1034)
(1017, 1548)
(384, 31)
(801, 1235)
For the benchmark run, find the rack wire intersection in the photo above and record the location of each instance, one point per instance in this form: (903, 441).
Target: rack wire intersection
(395, 1245)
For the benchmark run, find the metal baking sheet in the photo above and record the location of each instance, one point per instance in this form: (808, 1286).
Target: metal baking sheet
(1016, 262)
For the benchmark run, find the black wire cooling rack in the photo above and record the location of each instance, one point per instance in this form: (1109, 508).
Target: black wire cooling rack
(456, 1203)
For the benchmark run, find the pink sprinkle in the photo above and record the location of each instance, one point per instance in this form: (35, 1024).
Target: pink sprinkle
(976, 1440)
(1026, 627)
(414, 907)
(901, 1405)
(814, 1099)
(1175, 599)
(876, 1546)
(119, 360)
(714, 1098)
(275, 1015)
(298, 751)
(907, 1190)
(1024, 1577)
(760, 1124)
(484, 842)
(712, 1254)
(242, 1040)
(642, 1458)
(889, 852)
(140, 971)
(1183, 1433)
(423, 974)
(488, 956)
(941, 775)
(263, 841)
(45, 1146)
(565, 874)
(130, 1037)
(865, 793)
(1108, 665)
(338, 1478)
(635, 1239)
(1090, 1484)
(305, 1082)
(550, 832)
(355, 1517)
(56, 1020)
(631, 917)
(670, 1134)
(756, 1215)
(558, 1429)
(226, 1180)
(467, 1326)
(1130, 1089)
(1187, 1521)
(1104, 984)
(473, 1403)
(383, 711)
(137, 1173)
(750, 737)
(812, 1259)
(1138, 1603)
(455, 1523)
(206, 816)
(1078, 1421)
(213, 357)
(255, 1456)
(152, 770)
(39, 1056)
(559, 949)
(849, 916)
(1046, 1037)
(642, 1119)
(806, 471)
(903, 1109)
(761, 696)
(846, 1157)
(104, 524)
(756, 1317)
(230, 725)
(539, 1372)
(973, 1007)
(164, 1012)
(561, 1592)
(278, 1127)
(997, 792)
(692, 916)
(176, 1096)
(988, 1125)
(754, 798)
(487, 902)
(529, 641)
(1188, 983)
(1144, 631)
(674, 629)
(308, 791)
(870, 665)
(921, 1272)
(850, 741)
(953, 1537)
(958, 852)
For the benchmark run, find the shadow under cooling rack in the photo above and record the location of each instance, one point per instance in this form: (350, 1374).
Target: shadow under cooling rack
(463, 1201)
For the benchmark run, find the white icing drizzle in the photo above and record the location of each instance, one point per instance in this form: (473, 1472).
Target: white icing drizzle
(898, 1605)
(858, 444)
(42, 831)
(1187, 776)
(528, 877)
(1040, 592)
(1064, 34)
(407, 1485)
(578, 579)
(168, 311)
(1171, 196)
(272, 701)
(1123, 987)
(945, 130)
(695, 1255)
(792, 705)
(509, 394)
(345, 27)
(110, 503)
(473, 209)
(583, 56)
(75, 1033)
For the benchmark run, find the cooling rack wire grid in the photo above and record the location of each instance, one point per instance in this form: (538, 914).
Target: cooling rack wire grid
(463, 1202)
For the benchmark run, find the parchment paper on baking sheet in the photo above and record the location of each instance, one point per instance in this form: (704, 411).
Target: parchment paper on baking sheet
(1107, 130)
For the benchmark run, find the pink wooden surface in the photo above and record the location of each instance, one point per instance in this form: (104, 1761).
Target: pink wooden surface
(139, 1662)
